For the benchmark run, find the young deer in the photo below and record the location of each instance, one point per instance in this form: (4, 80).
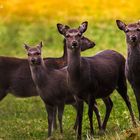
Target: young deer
(52, 87)
(132, 68)
(15, 75)
(94, 77)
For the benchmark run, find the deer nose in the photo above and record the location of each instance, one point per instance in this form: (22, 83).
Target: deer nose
(133, 38)
(92, 44)
(33, 60)
(74, 43)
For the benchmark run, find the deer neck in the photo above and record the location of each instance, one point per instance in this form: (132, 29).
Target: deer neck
(74, 64)
(133, 55)
(133, 50)
(39, 74)
(65, 51)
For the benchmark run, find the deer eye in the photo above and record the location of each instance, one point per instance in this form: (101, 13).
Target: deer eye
(28, 54)
(79, 34)
(126, 30)
(37, 53)
(67, 35)
(138, 29)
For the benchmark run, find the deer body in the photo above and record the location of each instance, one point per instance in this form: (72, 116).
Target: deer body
(54, 96)
(94, 77)
(56, 87)
(91, 69)
(132, 68)
(15, 76)
(97, 72)
(52, 86)
(100, 75)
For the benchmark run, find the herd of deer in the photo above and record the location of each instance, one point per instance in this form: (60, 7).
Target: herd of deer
(73, 79)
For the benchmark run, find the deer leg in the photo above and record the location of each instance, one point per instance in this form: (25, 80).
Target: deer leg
(122, 90)
(125, 97)
(54, 118)
(138, 100)
(95, 108)
(50, 111)
(109, 104)
(76, 120)
(91, 102)
(80, 106)
(60, 115)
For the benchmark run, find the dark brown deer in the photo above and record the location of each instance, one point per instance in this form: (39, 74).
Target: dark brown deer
(132, 68)
(52, 87)
(15, 75)
(94, 77)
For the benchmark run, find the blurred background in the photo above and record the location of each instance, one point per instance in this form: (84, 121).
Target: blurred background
(32, 21)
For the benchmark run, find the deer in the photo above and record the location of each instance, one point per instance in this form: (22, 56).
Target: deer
(15, 75)
(132, 68)
(94, 77)
(52, 87)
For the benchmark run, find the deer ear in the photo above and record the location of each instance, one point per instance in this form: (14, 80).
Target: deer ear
(40, 45)
(26, 47)
(62, 28)
(121, 25)
(83, 27)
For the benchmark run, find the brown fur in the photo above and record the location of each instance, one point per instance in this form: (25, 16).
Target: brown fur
(51, 85)
(94, 77)
(132, 68)
(15, 75)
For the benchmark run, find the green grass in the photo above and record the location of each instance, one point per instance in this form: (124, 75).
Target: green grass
(14, 34)
(26, 119)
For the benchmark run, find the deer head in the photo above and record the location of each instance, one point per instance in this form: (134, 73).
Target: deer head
(132, 32)
(34, 54)
(74, 38)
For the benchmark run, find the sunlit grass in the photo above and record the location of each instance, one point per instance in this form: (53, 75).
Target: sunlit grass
(65, 10)
(27, 119)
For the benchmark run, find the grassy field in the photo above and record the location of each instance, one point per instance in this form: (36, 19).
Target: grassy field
(29, 21)
(14, 34)
(27, 118)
